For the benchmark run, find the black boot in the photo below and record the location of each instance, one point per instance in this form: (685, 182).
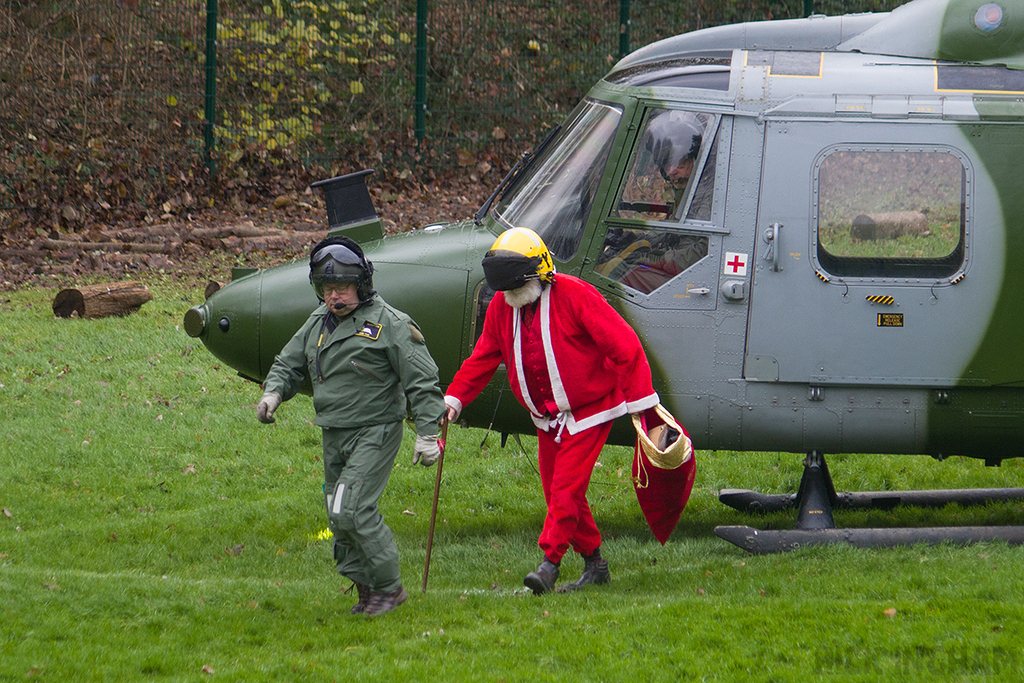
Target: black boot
(364, 598)
(542, 580)
(595, 570)
(385, 602)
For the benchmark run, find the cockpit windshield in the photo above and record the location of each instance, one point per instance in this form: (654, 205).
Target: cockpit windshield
(556, 191)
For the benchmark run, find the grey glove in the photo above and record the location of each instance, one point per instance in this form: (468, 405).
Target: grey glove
(426, 451)
(266, 407)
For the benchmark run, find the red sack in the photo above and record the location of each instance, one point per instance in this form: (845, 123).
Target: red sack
(664, 468)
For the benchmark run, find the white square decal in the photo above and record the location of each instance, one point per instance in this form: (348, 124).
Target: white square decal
(735, 263)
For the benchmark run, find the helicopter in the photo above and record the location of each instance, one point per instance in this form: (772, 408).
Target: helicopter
(812, 224)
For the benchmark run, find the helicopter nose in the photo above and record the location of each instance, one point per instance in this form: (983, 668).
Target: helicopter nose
(195, 320)
(228, 324)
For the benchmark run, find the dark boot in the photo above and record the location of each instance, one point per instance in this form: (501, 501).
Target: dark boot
(364, 598)
(595, 570)
(542, 580)
(385, 602)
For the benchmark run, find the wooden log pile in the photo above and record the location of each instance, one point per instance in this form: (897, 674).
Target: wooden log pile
(168, 247)
(169, 239)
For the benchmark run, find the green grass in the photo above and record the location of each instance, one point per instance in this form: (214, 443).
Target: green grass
(153, 529)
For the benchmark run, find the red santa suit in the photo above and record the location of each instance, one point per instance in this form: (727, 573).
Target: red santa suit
(575, 365)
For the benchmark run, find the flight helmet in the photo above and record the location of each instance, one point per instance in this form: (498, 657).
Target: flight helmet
(672, 137)
(340, 259)
(517, 256)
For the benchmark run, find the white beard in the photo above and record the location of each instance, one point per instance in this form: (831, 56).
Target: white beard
(527, 294)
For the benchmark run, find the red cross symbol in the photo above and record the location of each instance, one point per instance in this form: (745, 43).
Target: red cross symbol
(735, 264)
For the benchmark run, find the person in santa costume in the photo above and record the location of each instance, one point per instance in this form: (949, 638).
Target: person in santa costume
(575, 365)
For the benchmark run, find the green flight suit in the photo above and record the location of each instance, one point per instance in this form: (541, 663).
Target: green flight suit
(368, 374)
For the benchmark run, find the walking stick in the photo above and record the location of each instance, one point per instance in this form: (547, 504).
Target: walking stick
(437, 489)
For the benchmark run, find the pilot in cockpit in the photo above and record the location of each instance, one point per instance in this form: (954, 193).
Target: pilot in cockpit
(660, 178)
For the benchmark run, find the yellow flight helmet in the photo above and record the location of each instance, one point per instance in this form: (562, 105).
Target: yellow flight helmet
(517, 256)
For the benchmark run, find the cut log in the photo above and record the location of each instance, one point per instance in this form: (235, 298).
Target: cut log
(100, 301)
(878, 226)
(61, 245)
(281, 241)
(247, 229)
(11, 253)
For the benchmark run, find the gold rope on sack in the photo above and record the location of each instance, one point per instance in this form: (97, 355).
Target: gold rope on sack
(666, 446)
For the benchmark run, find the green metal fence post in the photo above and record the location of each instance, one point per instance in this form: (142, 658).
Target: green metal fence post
(421, 70)
(211, 86)
(808, 7)
(624, 28)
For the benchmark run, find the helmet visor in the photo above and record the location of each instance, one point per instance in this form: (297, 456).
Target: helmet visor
(335, 263)
(507, 270)
(337, 252)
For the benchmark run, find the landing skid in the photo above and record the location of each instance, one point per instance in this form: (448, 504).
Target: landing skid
(817, 497)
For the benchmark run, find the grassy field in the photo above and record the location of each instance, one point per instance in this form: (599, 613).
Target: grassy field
(152, 530)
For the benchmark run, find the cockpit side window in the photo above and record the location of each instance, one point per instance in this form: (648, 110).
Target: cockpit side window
(645, 260)
(555, 196)
(674, 149)
(891, 213)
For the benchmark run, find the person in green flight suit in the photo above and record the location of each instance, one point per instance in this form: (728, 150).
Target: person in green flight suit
(369, 368)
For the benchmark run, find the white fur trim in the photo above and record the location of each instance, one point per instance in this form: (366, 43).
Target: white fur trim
(455, 403)
(517, 353)
(557, 388)
(643, 404)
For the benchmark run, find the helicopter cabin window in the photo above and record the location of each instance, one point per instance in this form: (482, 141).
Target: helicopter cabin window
(672, 174)
(893, 213)
(645, 260)
(556, 190)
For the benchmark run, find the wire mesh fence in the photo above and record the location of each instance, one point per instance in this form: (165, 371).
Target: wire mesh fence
(105, 105)
(97, 103)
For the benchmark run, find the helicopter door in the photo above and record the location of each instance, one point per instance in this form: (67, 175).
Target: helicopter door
(663, 238)
(862, 244)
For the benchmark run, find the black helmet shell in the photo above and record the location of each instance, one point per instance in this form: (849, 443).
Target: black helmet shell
(340, 259)
(672, 137)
